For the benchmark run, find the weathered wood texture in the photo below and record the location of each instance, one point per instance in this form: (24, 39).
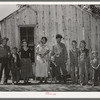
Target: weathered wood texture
(70, 21)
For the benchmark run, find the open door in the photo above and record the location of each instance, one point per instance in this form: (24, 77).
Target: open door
(27, 32)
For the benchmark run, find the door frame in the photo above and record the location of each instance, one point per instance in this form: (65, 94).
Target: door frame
(29, 25)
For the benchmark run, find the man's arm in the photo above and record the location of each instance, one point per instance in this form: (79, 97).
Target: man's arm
(65, 53)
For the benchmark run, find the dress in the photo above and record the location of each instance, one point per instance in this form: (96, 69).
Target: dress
(74, 65)
(42, 63)
(26, 65)
(60, 53)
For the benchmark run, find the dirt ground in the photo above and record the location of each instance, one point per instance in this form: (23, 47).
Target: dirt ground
(35, 87)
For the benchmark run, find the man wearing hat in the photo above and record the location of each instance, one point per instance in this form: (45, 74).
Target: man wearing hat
(59, 52)
(4, 55)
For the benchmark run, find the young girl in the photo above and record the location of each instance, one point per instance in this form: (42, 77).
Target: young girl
(74, 53)
(53, 69)
(15, 66)
(95, 64)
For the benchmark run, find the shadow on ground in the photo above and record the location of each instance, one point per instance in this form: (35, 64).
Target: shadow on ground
(48, 87)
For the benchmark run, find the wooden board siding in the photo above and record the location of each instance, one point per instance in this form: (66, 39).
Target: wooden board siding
(10, 26)
(70, 21)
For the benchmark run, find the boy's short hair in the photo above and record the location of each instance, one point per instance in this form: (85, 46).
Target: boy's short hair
(74, 41)
(96, 52)
(82, 41)
(83, 53)
(58, 36)
(14, 48)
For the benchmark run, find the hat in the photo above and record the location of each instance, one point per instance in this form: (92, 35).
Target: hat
(4, 38)
(24, 40)
(94, 52)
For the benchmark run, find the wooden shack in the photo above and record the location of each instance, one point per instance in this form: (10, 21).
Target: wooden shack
(34, 21)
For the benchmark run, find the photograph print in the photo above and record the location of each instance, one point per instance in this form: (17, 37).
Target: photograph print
(49, 48)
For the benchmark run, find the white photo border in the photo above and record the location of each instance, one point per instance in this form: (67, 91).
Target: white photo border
(49, 94)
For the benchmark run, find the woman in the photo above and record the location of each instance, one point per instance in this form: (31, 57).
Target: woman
(26, 65)
(42, 52)
(74, 54)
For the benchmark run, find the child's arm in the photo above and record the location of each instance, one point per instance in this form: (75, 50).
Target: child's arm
(98, 66)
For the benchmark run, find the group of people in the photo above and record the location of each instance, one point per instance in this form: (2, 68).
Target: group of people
(82, 67)
(15, 63)
(49, 63)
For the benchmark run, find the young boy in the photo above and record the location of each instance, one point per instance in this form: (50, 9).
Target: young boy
(95, 64)
(53, 69)
(84, 63)
(15, 66)
(74, 53)
(83, 71)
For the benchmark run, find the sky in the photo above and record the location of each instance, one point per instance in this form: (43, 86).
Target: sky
(5, 10)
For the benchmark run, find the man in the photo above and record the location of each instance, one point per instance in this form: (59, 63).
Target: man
(4, 55)
(60, 54)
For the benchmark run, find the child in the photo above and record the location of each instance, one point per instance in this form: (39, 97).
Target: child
(95, 64)
(83, 71)
(53, 69)
(74, 53)
(84, 63)
(15, 66)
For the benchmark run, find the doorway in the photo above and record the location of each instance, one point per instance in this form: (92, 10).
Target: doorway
(27, 32)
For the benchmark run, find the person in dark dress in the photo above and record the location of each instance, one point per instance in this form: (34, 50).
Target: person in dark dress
(84, 63)
(4, 59)
(14, 63)
(26, 64)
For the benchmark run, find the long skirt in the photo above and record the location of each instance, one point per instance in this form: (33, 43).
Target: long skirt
(41, 68)
(26, 68)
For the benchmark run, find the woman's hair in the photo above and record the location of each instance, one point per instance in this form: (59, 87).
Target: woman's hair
(58, 36)
(74, 41)
(24, 40)
(14, 48)
(44, 38)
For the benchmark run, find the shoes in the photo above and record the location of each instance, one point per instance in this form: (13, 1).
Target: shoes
(13, 83)
(40, 82)
(46, 82)
(81, 84)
